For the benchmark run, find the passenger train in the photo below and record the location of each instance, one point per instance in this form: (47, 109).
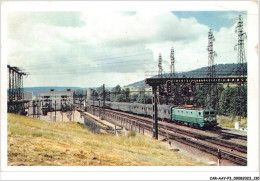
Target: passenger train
(189, 116)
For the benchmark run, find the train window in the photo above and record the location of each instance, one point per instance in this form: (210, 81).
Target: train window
(191, 112)
(212, 112)
(206, 113)
(199, 113)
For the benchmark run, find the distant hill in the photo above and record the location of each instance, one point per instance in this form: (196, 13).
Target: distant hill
(35, 90)
(221, 70)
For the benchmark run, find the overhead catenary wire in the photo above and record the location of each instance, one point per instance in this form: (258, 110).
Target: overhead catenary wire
(91, 58)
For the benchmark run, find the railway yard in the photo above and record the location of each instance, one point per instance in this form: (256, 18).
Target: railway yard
(212, 144)
(188, 129)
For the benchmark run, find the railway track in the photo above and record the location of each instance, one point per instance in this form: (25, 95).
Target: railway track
(227, 135)
(227, 144)
(168, 131)
(235, 158)
(217, 141)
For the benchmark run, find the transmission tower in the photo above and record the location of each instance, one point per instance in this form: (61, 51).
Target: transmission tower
(160, 66)
(211, 55)
(241, 68)
(212, 88)
(172, 63)
(241, 57)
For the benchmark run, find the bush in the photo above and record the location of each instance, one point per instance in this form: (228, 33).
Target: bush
(131, 134)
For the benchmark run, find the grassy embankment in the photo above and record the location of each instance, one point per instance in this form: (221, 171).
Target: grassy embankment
(36, 142)
(226, 121)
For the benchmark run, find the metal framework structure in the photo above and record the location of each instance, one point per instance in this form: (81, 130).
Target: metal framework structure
(220, 80)
(241, 66)
(212, 88)
(156, 82)
(241, 56)
(211, 55)
(160, 66)
(172, 63)
(15, 89)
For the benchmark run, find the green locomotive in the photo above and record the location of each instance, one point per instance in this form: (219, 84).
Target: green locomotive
(194, 117)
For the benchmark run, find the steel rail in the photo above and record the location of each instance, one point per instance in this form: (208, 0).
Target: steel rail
(235, 158)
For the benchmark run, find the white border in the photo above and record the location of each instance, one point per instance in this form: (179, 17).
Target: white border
(154, 173)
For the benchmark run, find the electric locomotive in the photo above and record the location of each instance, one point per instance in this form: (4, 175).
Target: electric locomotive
(194, 117)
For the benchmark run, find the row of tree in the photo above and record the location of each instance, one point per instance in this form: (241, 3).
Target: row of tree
(117, 94)
(226, 100)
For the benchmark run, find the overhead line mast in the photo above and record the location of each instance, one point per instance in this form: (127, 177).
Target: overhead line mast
(241, 56)
(160, 66)
(172, 63)
(212, 89)
(211, 55)
(241, 67)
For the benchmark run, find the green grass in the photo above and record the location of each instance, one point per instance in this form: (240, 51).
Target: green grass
(226, 121)
(39, 143)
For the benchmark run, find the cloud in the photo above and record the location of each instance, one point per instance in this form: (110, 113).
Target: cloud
(92, 48)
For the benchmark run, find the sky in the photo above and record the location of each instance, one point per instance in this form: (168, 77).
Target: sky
(91, 48)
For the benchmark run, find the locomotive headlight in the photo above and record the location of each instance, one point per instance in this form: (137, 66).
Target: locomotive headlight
(205, 119)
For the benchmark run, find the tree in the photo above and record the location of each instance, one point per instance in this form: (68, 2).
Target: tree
(78, 93)
(126, 93)
(230, 103)
(144, 98)
(120, 98)
(133, 97)
(141, 91)
(114, 92)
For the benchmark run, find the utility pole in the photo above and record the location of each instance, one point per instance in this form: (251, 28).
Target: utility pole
(33, 103)
(241, 66)
(172, 63)
(104, 95)
(104, 99)
(212, 88)
(160, 66)
(93, 102)
(99, 109)
(55, 110)
(155, 113)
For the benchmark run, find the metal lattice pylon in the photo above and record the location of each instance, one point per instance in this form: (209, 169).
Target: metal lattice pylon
(160, 66)
(211, 55)
(212, 88)
(172, 63)
(241, 57)
(241, 66)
